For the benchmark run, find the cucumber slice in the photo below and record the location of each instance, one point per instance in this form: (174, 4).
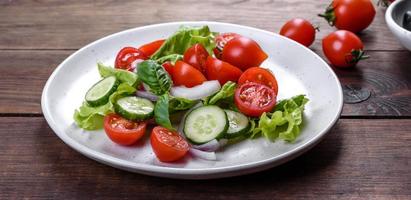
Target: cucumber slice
(99, 93)
(134, 108)
(205, 123)
(238, 124)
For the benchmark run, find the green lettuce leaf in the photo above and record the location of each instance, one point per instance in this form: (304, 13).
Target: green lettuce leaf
(173, 58)
(91, 118)
(284, 123)
(155, 76)
(123, 76)
(179, 104)
(183, 39)
(225, 93)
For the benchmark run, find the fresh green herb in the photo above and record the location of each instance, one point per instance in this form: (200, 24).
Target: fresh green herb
(179, 104)
(123, 76)
(161, 112)
(155, 76)
(173, 58)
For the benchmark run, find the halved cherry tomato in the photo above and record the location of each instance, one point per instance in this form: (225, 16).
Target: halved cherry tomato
(253, 99)
(221, 71)
(261, 76)
(299, 30)
(196, 56)
(168, 67)
(187, 75)
(343, 48)
(221, 40)
(243, 53)
(150, 48)
(168, 145)
(123, 131)
(128, 57)
(350, 15)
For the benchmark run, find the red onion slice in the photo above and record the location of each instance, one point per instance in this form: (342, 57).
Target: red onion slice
(203, 154)
(147, 95)
(213, 145)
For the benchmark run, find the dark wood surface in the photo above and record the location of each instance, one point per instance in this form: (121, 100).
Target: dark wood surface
(366, 156)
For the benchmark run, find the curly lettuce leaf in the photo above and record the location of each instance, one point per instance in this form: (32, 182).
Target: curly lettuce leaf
(225, 93)
(123, 76)
(154, 76)
(284, 123)
(184, 38)
(180, 104)
(91, 118)
(173, 58)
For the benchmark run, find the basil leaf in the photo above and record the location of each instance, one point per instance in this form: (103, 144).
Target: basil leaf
(161, 112)
(155, 76)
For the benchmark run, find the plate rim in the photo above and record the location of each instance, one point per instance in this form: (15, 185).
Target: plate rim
(165, 171)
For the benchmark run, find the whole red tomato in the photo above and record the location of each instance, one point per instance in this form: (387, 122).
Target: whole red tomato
(350, 15)
(343, 48)
(222, 39)
(299, 30)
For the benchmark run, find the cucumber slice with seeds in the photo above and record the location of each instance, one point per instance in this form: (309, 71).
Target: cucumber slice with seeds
(205, 123)
(238, 124)
(134, 108)
(100, 92)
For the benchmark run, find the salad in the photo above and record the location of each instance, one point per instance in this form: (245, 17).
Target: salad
(195, 91)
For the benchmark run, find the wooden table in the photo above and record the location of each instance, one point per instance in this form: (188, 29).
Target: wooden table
(366, 156)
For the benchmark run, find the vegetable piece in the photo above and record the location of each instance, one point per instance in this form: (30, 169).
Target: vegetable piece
(154, 76)
(205, 155)
(261, 76)
(134, 108)
(183, 39)
(196, 56)
(226, 93)
(180, 104)
(172, 58)
(91, 118)
(161, 112)
(187, 75)
(343, 48)
(127, 58)
(205, 123)
(350, 15)
(284, 122)
(299, 30)
(149, 48)
(221, 71)
(169, 67)
(238, 124)
(99, 93)
(221, 40)
(168, 145)
(243, 53)
(198, 92)
(253, 99)
(123, 131)
(147, 95)
(210, 146)
(123, 76)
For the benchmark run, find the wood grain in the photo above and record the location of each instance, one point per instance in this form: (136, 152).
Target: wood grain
(386, 74)
(359, 159)
(71, 24)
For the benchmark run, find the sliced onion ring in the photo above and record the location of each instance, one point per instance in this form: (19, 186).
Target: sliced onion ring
(147, 95)
(203, 154)
(197, 92)
(213, 145)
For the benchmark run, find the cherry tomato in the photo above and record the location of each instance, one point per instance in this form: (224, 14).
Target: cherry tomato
(169, 67)
(187, 75)
(261, 76)
(221, 40)
(343, 48)
(196, 56)
(123, 131)
(299, 30)
(128, 57)
(168, 145)
(150, 48)
(350, 15)
(221, 71)
(243, 53)
(253, 99)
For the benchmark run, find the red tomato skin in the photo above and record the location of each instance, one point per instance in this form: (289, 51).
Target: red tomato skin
(196, 56)
(261, 76)
(126, 56)
(338, 46)
(222, 39)
(242, 101)
(221, 71)
(187, 75)
(169, 67)
(168, 146)
(243, 53)
(299, 30)
(121, 135)
(353, 15)
(150, 48)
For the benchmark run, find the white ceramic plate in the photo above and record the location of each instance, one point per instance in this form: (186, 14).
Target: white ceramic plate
(298, 71)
